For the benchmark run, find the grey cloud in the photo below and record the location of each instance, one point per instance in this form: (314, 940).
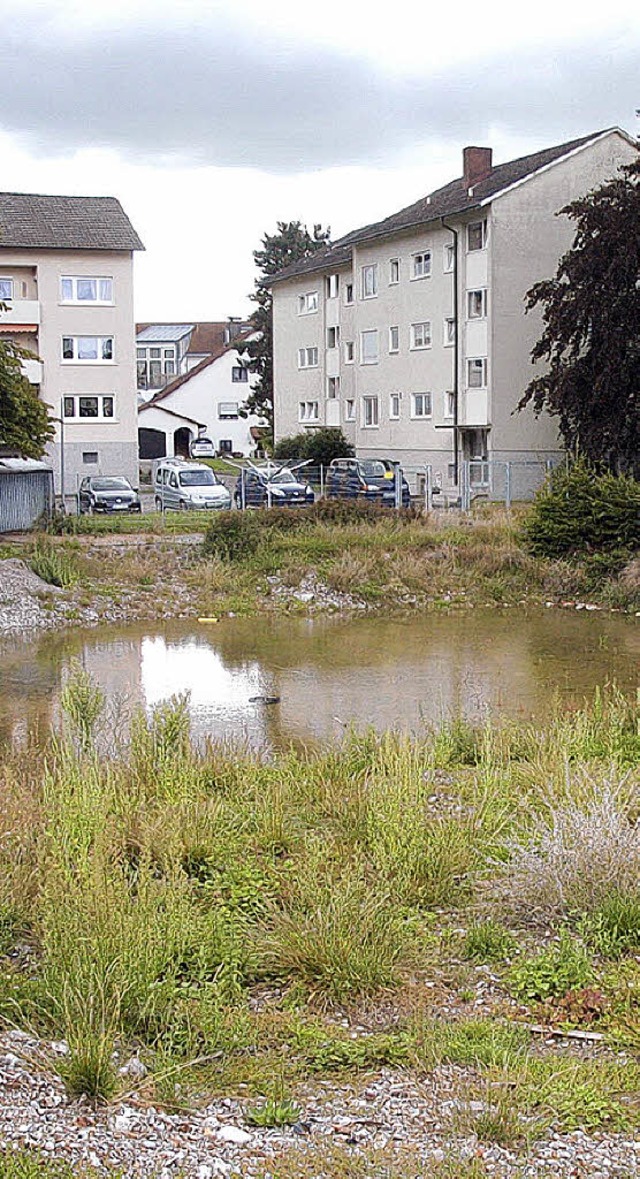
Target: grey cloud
(216, 95)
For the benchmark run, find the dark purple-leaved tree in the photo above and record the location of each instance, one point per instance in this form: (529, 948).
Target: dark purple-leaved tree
(591, 336)
(290, 243)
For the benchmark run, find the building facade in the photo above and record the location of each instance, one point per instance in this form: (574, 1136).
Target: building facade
(206, 400)
(411, 335)
(165, 351)
(66, 280)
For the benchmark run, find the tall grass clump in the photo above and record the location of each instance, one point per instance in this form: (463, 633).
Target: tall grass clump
(338, 936)
(53, 565)
(82, 702)
(577, 855)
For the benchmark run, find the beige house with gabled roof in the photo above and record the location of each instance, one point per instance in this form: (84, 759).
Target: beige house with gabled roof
(410, 333)
(66, 277)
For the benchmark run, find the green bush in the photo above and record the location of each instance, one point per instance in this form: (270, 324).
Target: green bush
(321, 446)
(554, 971)
(579, 511)
(232, 536)
(614, 929)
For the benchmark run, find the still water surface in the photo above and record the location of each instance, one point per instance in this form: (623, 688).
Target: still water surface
(328, 673)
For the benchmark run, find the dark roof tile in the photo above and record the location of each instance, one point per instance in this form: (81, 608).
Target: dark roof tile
(29, 221)
(451, 199)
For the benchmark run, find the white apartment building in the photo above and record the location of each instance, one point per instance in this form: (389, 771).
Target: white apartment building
(410, 334)
(66, 277)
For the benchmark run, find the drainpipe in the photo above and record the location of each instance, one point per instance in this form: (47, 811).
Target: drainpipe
(456, 347)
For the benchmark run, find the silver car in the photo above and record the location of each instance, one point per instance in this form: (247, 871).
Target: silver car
(183, 486)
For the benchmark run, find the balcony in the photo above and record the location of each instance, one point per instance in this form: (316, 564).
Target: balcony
(475, 408)
(21, 312)
(32, 370)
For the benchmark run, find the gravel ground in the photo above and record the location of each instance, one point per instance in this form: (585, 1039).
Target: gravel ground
(26, 602)
(391, 1110)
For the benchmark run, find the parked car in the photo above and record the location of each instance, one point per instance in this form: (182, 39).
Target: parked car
(107, 493)
(372, 479)
(282, 487)
(202, 447)
(182, 485)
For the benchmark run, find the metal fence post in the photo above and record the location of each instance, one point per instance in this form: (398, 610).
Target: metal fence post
(321, 480)
(428, 488)
(397, 486)
(507, 486)
(465, 485)
(243, 490)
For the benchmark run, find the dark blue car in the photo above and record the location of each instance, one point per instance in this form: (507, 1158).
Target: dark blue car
(371, 479)
(281, 488)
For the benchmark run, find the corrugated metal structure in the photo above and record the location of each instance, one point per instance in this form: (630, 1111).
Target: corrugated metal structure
(26, 493)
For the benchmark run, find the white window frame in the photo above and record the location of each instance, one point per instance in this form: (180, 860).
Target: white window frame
(372, 359)
(394, 341)
(75, 301)
(308, 303)
(421, 265)
(448, 257)
(424, 412)
(474, 300)
(77, 398)
(449, 331)
(308, 411)
(333, 333)
(448, 407)
(332, 285)
(308, 357)
(482, 225)
(394, 406)
(371, 410)
(394, 272)
(228, 411)
(479, 365)
(350, 409)
(6, 278)
(348, 294)
(333, 388)
(349, 352)
(100, 345)
(369, 281)
(420, 336)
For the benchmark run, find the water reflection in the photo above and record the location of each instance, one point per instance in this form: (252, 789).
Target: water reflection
(329, 673)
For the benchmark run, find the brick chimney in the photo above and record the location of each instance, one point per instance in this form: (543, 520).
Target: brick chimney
(476, 164)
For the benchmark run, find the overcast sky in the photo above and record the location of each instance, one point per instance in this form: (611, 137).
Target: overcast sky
(212, 121)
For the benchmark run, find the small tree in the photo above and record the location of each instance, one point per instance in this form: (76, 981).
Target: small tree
(591, 337)
(290, 243)
(25, 425)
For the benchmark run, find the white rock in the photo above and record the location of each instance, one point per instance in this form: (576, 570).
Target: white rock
(133, 1068)
(234, 1134)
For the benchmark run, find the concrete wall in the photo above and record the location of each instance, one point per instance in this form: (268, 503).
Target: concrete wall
(527, 243)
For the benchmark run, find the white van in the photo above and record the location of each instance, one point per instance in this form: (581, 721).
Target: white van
(182, 486)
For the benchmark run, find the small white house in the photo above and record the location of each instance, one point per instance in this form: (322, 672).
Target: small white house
(204, 401)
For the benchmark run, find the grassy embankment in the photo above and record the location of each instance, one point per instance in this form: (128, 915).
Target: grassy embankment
(385, 561)
(227, 917)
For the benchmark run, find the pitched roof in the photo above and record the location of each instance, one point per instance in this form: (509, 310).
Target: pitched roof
(161, 332)
(453, 198)
(30, 221)
(197, 368)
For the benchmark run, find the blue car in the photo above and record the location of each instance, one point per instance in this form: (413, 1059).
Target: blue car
(371, 479)
(282, 488)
